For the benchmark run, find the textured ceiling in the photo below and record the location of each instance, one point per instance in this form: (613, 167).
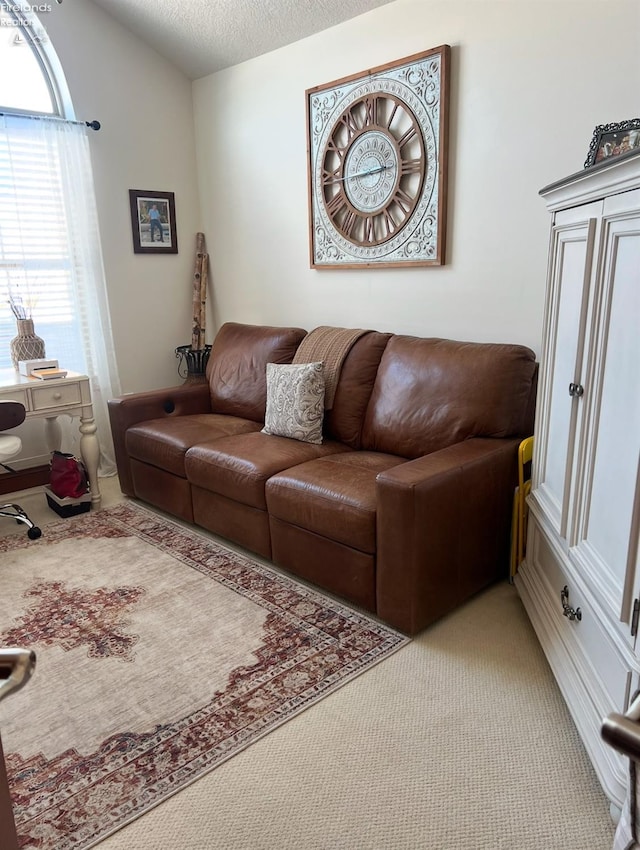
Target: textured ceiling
(203, 36)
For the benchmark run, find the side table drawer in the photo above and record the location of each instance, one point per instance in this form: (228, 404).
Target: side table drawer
(57, 395)
(16, 395)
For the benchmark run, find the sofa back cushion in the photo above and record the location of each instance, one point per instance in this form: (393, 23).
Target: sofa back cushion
(357, 376)
(432, 393)
(237, 367)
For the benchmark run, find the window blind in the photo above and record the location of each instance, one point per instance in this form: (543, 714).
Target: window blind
(36, 243)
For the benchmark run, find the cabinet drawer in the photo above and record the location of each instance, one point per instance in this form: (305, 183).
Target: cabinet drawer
(16, 395)
(56, 395)
(602, 663)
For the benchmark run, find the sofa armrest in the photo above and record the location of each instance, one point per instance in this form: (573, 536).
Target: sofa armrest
(128, 410)
(443, 529)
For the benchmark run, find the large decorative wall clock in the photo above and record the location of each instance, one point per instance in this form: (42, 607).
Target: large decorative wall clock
(377, 145)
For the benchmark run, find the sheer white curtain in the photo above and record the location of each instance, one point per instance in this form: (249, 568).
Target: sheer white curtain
(50, 255)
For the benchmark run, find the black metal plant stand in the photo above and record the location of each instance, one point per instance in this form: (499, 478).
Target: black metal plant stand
(192, 363)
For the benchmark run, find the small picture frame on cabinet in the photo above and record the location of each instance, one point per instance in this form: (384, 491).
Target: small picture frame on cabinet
(612, 140)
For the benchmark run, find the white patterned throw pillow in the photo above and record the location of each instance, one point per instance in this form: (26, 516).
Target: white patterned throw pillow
(295, 401)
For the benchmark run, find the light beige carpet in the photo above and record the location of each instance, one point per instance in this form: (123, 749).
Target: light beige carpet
(459, 741)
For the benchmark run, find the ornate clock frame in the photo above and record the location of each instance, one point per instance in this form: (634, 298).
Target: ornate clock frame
(377, 165)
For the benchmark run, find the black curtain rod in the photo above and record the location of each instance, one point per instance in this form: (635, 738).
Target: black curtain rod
(95, 125)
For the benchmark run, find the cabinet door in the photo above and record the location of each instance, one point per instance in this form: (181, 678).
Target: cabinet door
(603, 539)
(569, 286)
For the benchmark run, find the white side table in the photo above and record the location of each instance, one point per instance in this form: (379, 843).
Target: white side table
(46, 400)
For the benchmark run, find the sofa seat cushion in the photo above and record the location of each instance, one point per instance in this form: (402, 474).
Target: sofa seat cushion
(164, 442)
(238, 467)
(334, 497)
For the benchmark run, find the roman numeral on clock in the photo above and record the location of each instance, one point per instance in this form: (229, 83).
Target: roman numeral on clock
(333, 147)
(371, 110)
(329, 177)
(411, 166)
(335, 204)
(403, 201)
(348, 119)
(348, 222)
(369, 232)
(407, 137)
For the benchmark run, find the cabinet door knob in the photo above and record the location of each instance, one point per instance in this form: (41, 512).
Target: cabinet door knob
(57, 396)
(576, 390)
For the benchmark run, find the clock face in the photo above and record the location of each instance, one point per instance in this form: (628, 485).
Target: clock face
(373, 168)
(377, 167)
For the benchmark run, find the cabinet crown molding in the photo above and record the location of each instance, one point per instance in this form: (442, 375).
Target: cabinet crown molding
(606, 178)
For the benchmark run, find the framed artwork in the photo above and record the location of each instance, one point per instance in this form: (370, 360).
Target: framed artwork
(153, 222)
(377, 165)
(610, 140)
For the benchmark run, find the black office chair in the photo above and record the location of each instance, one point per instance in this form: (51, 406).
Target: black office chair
(12, 414)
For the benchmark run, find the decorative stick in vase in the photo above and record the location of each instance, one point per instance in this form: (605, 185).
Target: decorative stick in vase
(196, 355)
(199, 294)
(204, 279)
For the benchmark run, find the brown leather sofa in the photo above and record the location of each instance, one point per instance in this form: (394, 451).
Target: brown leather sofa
(405, 506)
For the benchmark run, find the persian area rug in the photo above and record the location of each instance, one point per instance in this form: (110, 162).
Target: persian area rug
(160, 654)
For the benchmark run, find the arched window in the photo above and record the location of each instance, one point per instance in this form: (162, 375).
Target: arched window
(26, 55)
(50, 257)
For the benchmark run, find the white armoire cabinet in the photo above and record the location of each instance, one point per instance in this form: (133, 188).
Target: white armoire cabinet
(580, 580)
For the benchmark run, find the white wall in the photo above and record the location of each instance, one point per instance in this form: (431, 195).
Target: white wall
(530, 80)
(146, 142)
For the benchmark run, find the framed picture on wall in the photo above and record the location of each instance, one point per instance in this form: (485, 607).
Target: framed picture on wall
(611, 140)
(153, 222)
